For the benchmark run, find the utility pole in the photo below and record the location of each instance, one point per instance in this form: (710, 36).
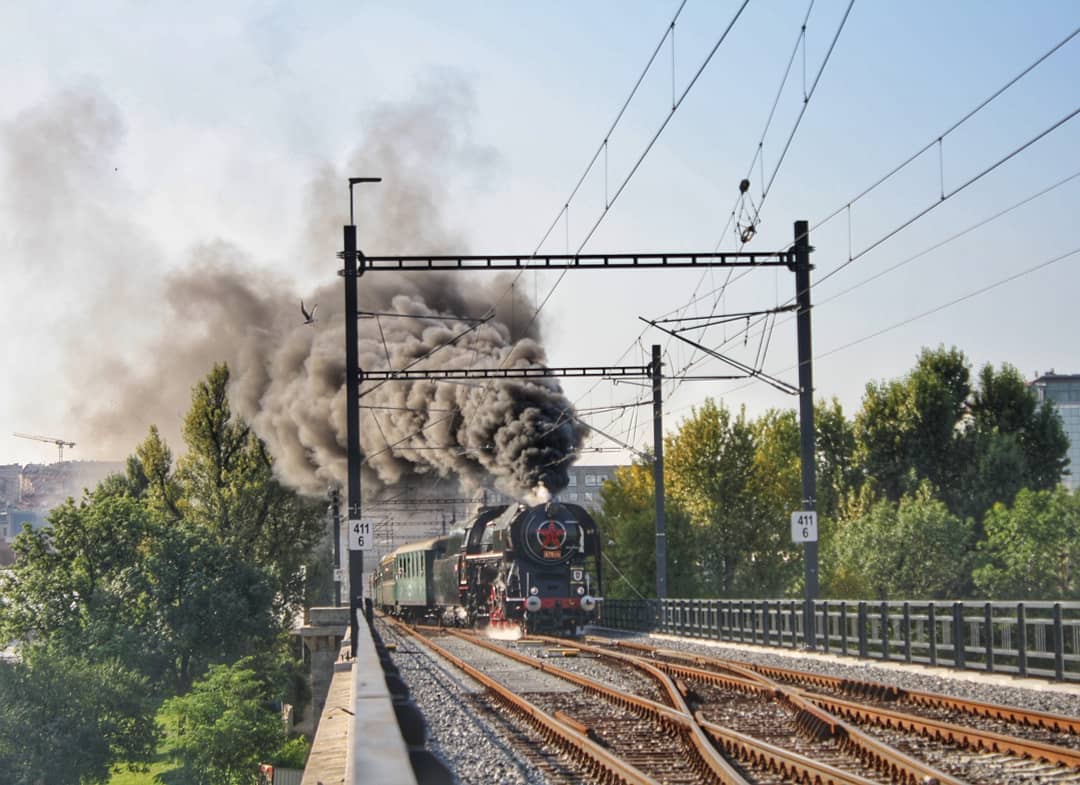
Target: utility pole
(658, 473)
(352, 272)
(806, 421)
(352, 420)
(335, 514)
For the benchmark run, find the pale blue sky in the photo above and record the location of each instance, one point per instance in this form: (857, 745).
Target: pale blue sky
(218, 117)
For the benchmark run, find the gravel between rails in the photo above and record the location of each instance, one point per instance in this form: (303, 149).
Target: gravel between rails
(479, 744)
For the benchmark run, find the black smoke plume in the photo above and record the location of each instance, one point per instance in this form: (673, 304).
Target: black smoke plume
(288, 377)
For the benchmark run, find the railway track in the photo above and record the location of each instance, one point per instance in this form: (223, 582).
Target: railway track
(650, 715)
(613, 734)
(971, 740)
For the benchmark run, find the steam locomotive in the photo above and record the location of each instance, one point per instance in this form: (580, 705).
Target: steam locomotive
(537, 568)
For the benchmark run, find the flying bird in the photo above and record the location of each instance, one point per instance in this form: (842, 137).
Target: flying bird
(309, 317)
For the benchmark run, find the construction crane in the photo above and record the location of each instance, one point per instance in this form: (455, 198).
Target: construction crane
(61, 443)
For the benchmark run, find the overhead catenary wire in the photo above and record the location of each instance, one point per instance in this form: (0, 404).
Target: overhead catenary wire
(718, 291)
(940, 137)
(937, 202)
(946, 196)
(913, 157)
(642, 156)
(602, 148)
(944, 306)
(956, 301)
(929, 249)
(910, 258)
(564, 212)
(759, 152)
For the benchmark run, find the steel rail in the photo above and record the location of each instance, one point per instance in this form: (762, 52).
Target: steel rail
(825, 725)
(1057, 723)
(679, 716)
(872, 689)
(789, 765)
(566, 737)
(968, 738)
(821, 724)
(809, 719)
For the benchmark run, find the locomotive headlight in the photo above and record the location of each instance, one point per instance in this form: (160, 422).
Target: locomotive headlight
(580, 590)
(532, 605)
(534, 591)
(588, 604)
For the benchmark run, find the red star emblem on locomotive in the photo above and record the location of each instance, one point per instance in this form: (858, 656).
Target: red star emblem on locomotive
(551, 535)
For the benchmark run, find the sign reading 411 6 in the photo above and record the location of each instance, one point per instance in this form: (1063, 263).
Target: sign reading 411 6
(361, 534)
(804, 526)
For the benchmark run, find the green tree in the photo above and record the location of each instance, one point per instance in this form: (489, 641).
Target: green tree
(773, 564)
(838, 472)
(913, 549)
(81, 583)
(213, 605)
(709, 471)
(628, 528)
(1016, 443)
(229, 490)
(223, 728)
(975, 444)
(112, 579)
(908, 429)
(1032, 549)
(66, 721)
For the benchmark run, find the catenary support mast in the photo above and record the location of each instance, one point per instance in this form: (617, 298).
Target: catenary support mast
(658, 473)
(806, 419)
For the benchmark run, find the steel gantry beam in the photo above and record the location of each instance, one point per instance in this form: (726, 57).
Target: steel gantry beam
(594, 261)
(465, 374)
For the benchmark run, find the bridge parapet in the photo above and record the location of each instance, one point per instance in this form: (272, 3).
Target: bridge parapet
(358, 737)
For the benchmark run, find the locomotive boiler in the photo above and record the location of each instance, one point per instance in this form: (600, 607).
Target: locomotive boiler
(536, 567)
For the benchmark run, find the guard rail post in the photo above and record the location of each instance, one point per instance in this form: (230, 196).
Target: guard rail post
(1059, 644)
(843, 628)
(931, 620)
(884, 630)
(988, 621)
(907, 631)
(958, 634)
(1021, 640)
(862, 629)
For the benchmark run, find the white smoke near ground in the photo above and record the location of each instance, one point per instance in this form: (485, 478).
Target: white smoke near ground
(288, 378)
(539, 494)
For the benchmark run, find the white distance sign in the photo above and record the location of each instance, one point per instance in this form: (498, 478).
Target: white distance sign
(804, 526)
(361, 534)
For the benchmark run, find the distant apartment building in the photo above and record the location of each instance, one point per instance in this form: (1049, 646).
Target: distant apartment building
(28, 493)
(1063, 391)
(585, 484)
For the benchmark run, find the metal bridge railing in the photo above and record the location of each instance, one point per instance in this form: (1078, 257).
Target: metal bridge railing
(1038, 639)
